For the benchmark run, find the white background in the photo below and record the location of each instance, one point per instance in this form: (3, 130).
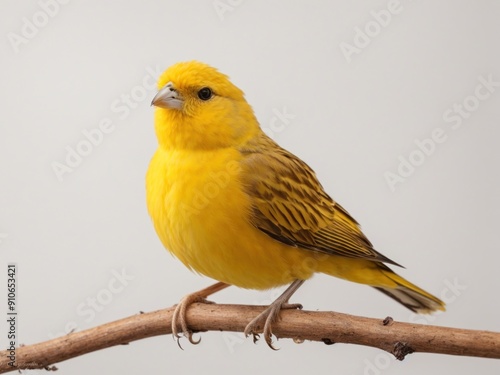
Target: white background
(352, 121)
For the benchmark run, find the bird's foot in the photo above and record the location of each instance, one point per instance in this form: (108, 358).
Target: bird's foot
(266, 319)
(179, 317)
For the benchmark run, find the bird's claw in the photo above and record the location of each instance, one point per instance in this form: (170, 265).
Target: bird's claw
(268, 317)
(255, 337)
(179, 324)
(292, 306)
(179, 319)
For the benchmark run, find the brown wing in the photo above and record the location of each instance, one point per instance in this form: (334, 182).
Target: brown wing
(290, 205)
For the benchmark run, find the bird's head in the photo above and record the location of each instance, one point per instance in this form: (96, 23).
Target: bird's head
(199, 108)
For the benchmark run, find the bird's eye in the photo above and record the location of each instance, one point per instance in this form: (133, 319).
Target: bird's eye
(205, 93)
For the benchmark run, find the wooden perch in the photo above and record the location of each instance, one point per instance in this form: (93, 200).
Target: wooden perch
(399, 339)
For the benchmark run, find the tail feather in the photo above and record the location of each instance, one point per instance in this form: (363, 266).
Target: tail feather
(382, 278)
(410, 295)
(412, 300)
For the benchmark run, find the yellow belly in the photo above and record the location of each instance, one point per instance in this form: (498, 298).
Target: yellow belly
(200, 212)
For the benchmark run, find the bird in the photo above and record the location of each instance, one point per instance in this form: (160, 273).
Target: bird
(231, 204)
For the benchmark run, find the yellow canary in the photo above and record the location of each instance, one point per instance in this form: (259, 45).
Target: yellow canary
(233, 205)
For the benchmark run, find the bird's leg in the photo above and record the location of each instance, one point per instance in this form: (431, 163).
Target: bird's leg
(271, 313)
(179, 317)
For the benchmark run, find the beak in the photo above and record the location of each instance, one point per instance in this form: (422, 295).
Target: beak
(168, 97)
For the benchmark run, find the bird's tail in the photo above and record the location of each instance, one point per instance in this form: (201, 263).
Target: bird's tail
(382, 278)
(410, 295)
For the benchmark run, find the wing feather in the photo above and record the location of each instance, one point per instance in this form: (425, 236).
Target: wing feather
(290, 205)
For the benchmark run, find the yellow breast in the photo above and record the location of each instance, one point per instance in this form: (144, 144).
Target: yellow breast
(200, 212)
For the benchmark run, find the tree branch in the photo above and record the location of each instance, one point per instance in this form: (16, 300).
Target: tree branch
(399, 339)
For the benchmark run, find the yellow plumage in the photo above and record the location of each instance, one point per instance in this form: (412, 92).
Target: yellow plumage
(231, 204)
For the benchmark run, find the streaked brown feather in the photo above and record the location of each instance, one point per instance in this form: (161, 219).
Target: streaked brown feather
(290, 205)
